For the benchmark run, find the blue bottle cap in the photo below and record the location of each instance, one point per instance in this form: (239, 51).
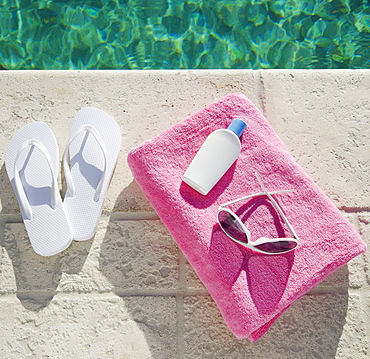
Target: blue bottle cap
(237, 126)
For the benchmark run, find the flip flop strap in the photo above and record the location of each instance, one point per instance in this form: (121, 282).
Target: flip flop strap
(67, 171)
(23, 200)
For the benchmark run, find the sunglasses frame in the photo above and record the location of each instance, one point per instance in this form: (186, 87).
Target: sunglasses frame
(252, 245)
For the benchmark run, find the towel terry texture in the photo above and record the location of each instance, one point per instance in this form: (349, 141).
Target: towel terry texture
(250, 289)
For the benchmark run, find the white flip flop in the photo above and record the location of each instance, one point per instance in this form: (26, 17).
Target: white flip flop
(93, 148)
(32, 162)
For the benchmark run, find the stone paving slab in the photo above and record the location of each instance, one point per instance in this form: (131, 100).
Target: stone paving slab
(311, 328)
(129, 292)
(90, 327)
(325, 125)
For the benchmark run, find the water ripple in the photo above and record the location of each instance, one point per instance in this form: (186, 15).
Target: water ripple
(190, 34)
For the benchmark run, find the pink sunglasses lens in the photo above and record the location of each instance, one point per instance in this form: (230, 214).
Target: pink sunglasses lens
(277, 247)
(231, 226)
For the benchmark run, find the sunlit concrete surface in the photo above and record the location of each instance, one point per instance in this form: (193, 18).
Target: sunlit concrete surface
(129, 292)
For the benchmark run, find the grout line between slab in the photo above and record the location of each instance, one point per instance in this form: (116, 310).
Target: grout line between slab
(130, 216)
(179, 294)
(108, 216)
(262, 93)
(11, 218)
(180, 309)
(152, 216)
(122, 293)
(354, 209)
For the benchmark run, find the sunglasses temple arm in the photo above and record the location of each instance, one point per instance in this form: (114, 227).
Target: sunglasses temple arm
(255, 195)
(277, 207)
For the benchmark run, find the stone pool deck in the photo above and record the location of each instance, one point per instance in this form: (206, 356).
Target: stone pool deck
(129, 292)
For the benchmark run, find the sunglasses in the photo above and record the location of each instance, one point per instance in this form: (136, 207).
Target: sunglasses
(235, 229)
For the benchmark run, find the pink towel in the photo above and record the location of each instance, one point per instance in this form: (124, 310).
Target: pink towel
(250, 289)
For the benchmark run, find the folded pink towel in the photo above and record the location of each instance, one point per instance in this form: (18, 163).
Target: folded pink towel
(250, 289)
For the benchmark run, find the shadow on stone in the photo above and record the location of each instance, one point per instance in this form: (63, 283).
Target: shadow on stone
(7, 196)
(140, 260)
(311, 328)
(36, 277)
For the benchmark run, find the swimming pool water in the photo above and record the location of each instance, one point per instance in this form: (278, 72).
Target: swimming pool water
(190, 34)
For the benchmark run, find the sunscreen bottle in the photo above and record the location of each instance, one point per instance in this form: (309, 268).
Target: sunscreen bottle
(218, 152)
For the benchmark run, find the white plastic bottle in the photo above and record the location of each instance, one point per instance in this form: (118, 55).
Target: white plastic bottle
(218, 152)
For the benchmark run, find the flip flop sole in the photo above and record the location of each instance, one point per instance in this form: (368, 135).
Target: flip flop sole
(48, 229)
(87, 162)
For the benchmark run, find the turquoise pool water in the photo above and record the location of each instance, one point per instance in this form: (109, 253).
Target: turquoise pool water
(190, 34)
